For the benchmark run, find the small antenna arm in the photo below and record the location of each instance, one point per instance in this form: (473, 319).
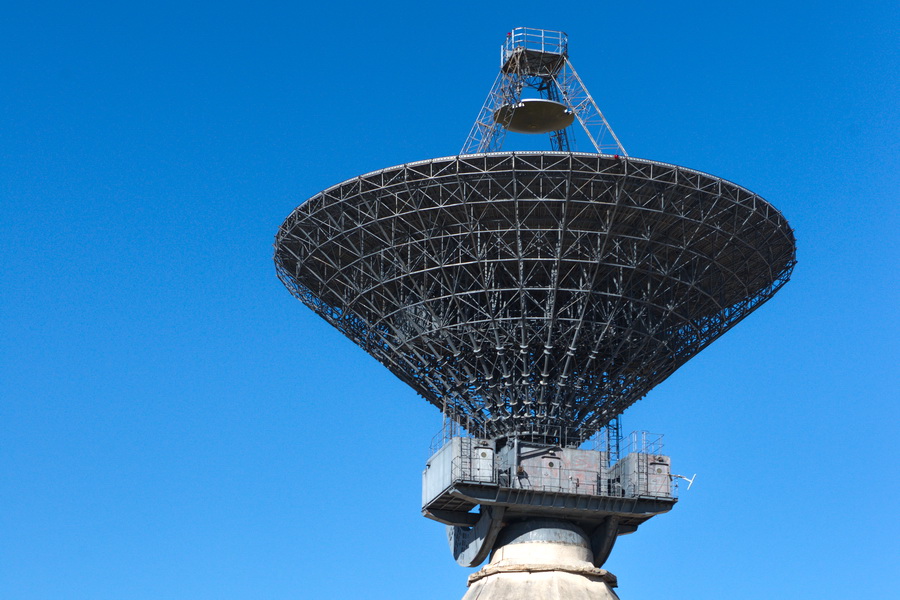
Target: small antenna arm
(690, 481)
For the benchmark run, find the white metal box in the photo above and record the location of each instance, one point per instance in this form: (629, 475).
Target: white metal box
(562, 470)
(640, 474)
(482, 463)
(459, 460)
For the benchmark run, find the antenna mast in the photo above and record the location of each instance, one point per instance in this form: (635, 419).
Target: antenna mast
(536, 62)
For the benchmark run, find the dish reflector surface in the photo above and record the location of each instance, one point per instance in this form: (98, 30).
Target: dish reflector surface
(534, 293)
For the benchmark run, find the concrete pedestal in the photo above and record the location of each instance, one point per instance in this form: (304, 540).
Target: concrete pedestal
(541, 559)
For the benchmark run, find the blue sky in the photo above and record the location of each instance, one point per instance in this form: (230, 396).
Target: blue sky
(174, 425)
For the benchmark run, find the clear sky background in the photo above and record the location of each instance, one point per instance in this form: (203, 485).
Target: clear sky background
(174, 425)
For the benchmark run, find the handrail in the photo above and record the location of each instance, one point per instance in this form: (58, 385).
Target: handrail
(539, 40)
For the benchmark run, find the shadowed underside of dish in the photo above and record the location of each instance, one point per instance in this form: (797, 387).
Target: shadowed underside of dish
(536, 293)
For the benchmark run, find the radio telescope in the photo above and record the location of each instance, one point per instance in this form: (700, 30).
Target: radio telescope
(532, 297)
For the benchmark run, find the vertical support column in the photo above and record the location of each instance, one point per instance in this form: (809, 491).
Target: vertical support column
(614, 439)
(576, 96)
(541, 559)
(487, 135)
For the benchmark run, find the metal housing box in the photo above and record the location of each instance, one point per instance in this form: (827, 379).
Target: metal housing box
(562, 470)
(640, 474)
(459, 460)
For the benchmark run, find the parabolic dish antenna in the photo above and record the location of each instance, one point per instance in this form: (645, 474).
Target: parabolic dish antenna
(534, 293)
(532, 297)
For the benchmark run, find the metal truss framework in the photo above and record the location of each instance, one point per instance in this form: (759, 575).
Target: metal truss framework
(538, 60)
(535, 293)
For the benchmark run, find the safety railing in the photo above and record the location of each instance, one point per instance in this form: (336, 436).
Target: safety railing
(470, 468)
(642, 442)
(538, 40)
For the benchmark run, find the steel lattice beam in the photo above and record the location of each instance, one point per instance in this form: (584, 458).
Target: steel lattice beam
(534, 293)
(538, 60)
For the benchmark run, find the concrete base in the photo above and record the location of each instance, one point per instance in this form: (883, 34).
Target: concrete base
(541, 559)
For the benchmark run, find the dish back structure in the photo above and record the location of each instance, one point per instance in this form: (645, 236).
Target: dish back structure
(534, 294)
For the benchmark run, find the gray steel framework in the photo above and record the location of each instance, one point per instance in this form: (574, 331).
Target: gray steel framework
(538, 60)
(537, 293)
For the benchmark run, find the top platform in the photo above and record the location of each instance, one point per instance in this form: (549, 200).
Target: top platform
(538, 52)
(541, 41)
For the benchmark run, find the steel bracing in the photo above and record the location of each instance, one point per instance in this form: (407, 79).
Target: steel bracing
(537, 60)
(536, 293)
